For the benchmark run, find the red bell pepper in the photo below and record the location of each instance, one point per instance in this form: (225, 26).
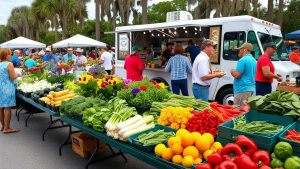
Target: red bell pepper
(231, 152)
(244, 161)
(217, 167)
(261, 158)
(204, 166)
(214, 159)
(247, 145)
(265, 167)
(228, 165)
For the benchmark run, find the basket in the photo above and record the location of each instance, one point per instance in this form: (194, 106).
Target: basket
(295, 144)
(133, 139)
(266, 142)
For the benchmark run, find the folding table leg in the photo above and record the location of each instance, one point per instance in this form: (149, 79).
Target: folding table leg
(66, 141)
(30, 114)
(18, 114)
(92, 156)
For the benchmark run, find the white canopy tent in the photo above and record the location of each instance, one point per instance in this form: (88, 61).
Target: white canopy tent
(79, 41)
(22, 42)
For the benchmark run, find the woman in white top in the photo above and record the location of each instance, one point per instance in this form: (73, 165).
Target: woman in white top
(106, 60)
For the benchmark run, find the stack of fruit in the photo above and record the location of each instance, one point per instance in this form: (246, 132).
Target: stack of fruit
(188, 148)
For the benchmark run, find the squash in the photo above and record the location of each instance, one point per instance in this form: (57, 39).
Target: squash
(68, 96)
(50, 96)
(61, 93)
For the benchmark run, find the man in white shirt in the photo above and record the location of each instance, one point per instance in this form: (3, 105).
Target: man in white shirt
(81, 59)
(202, 73)
(106, 60)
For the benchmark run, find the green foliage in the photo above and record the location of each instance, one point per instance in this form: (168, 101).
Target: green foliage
(290, 21)
(61, 78)
(157, 13)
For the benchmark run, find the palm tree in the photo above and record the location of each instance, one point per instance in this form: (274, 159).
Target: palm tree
(40, 17)
(270, 10)
(280, 13)
(81, 11)
(255, 8)
(144, 4)
(97, 6)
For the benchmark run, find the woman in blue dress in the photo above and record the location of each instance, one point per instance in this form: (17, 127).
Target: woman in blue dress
(7, 90)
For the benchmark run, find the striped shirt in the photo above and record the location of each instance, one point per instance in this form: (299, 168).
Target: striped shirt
(179, 66)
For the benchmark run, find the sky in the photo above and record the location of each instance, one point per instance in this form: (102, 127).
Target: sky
(6, 7)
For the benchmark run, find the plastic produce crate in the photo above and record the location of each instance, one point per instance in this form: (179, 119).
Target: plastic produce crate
(266, 142)
(295, 144)
(133, 139)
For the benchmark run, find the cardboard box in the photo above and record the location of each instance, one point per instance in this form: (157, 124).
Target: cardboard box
(84, 144)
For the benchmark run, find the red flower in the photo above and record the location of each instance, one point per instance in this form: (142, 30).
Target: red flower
(104, 84)
(144, 88)
(157, 86)
(153, 82)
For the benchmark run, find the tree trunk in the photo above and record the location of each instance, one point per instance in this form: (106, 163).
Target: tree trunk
(114, 9)
(247, 6)
(102, 11)
(55, 28)
(97, 6)
(108, 10)
(207, 7)
(255, 8)
(144, 11)
(270, 10)
(280, 13)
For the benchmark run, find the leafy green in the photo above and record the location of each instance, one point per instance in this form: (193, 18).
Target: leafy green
(61, 78)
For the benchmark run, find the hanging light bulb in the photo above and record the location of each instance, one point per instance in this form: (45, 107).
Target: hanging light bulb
(200, 29)
(152, 34)
(195, 29)
(183, 27)
(158, 35)
(196, 33)
(170, 31)
(162, 30)
(144, 33)
(175, 32)
(164, 35)
(185, 31)
(149, 30)
(175, 29)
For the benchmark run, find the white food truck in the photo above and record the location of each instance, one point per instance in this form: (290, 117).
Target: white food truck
(228, 32)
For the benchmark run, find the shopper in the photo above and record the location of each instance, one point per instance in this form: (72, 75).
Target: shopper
(167, 53)
(193, 50)
(295, 55)
(179, 66)
(7, 90)
(30, 63)
(265, 70)
(244, 82)
(15, 58)
(202, 73)
(69, 56)
(150, 54)
(81, 60)
(49, 56)
(106, 60)
(134, 65)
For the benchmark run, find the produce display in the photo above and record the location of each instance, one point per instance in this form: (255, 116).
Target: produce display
(175, 117)
(187, 148)
(285, 103)
(143, 93)
(259, 127)
(56, 98)
(243, 154)
(283, 157)
(35, 86)
(53, 78)
(292, 135)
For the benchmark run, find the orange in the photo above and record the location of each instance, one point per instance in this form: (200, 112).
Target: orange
(216, 146)
(200, 156)
(197, 161)
(177, 159)
(173, 140)
(159, 149)
(167, 154)
(187, 139)
(210, 137)
(191, 151)
(180, 132)
(196, 135)
(177, 148)
(187, 161)
(207, 153)
(203, 144)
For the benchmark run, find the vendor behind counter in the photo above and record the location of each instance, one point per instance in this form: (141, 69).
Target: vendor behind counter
(167, 54)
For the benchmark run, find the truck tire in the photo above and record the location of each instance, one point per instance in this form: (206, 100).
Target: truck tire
(226, 97)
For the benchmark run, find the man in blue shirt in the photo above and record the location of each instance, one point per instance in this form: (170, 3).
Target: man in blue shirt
(49, 55)
(244, 75)
(15, 58)
(193, 50)
(30, 63)
(69, 56)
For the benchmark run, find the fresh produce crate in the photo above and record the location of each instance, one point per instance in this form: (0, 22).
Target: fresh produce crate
(173, 164)
(224, 141)
(295, 144)
(133, 139)
(28, 95)
(267, 142)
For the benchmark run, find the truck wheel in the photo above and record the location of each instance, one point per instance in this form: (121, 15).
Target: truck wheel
(226, 97)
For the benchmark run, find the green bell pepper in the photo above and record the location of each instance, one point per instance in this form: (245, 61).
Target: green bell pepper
(275, 163)
(292, 163)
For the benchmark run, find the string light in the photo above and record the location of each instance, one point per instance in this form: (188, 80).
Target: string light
(170, 31)
(183, 27)
(175, 32)
(175, 29)
(185, 31)
(150, 31)
(162, 30)
(158, 35)
(195, 29)
(144, 33)
(164, 35)
(196, 33)
(152, 34)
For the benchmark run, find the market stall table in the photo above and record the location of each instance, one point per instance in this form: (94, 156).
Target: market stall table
(293, 89)
(50, 112)
(149, 158)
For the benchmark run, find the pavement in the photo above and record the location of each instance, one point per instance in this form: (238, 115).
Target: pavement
(26, 150)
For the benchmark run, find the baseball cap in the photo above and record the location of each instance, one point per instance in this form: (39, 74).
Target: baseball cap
(48, 50)
(136, 48)
(69, 49)
(270, 45)
(296, 47)
(247, 46)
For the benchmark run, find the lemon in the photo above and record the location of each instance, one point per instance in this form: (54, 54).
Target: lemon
(177, 148)
(181, 131)
(167, 154)
(187, 161)
(159, 149)
(203, 144)
(207, 153)
(197, 161)
(210, 137)
(191, 151)
(196, 135)
(177, 159)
